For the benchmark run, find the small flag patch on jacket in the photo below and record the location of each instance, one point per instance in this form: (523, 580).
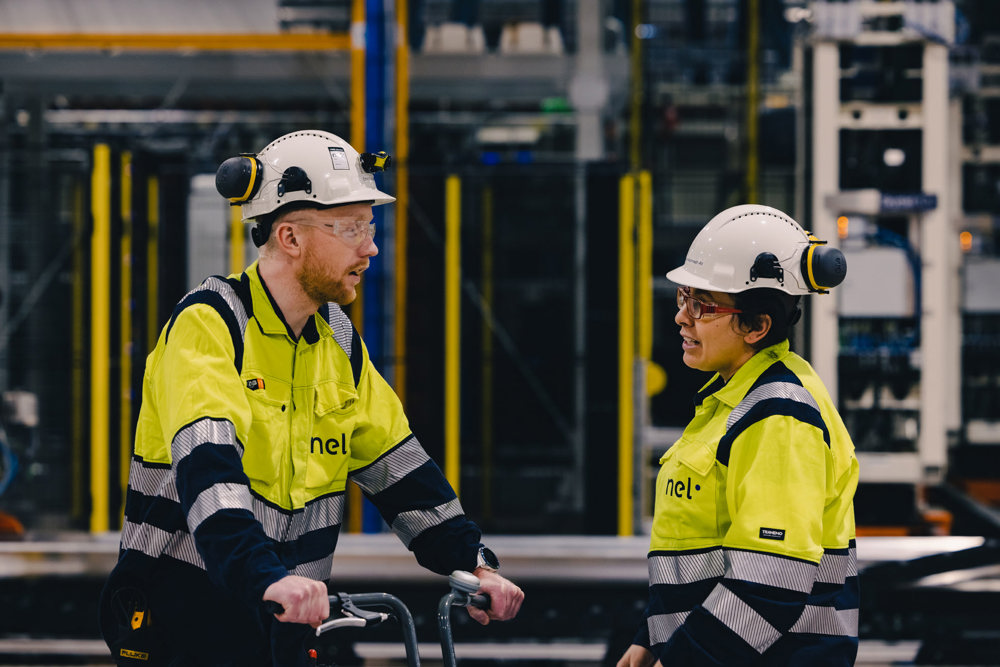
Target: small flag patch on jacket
(772, 534)
(254, 384)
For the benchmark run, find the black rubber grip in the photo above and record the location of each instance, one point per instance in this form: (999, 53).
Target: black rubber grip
(273, 607)
(480, 601)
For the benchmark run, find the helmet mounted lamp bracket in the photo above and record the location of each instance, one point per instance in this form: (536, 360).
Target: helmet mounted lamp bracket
(766, 265)
(294, 179)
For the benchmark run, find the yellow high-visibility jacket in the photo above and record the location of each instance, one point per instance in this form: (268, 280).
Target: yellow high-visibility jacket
(247, 436)
(752, 554)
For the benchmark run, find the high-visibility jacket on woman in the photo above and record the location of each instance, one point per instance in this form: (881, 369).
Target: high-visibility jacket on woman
(752, 555)
(245, 441)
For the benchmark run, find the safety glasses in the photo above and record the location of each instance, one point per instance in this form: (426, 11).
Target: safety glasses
(696, 308)
(351, 232)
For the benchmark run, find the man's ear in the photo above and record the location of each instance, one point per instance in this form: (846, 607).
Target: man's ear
(287, 239)
(755, 335)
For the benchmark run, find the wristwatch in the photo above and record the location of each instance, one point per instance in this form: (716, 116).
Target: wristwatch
(487, 560)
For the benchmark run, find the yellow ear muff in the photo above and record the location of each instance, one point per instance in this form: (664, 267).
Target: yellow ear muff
(238, 178)
(823, 267)
(808, 261)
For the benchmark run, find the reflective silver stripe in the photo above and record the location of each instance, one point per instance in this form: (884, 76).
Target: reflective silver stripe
(218, 432)
(741, 618)
(686, 568)
(152, 481)
(274, 521)
(155, 542)
(767, 391)
(182, 548)
(319, 570)
(322, 513)
(835, 568)
(218, 497)
(662, 626)
(342, 327)
(827, 621)
(145, 538)
(391, 468)
(761, 568)
(408, 525)
(228, 294)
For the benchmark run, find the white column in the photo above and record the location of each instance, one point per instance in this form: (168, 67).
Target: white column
(940, 342)
(824, 339)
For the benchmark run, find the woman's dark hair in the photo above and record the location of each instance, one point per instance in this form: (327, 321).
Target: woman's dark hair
(783, 309)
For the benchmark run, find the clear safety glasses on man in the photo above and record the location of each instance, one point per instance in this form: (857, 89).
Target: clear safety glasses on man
(351, 232)
(696, 308)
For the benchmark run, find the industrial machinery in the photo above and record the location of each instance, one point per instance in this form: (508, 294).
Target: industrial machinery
(881, 179)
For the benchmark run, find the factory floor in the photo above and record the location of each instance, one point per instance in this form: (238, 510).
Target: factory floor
(555, 654)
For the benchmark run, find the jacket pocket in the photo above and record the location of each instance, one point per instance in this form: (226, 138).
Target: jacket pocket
(333, 397)
(686, 498)
(266, 446)
(700, 458)
(335, 408)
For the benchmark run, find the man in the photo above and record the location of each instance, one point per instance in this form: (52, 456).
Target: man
(259, 403)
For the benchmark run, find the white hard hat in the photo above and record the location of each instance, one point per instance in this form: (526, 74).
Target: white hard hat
(752, 246)
(308, 166)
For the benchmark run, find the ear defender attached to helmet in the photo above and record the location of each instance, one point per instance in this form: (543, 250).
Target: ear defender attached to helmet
(823, 267)
(238, 178)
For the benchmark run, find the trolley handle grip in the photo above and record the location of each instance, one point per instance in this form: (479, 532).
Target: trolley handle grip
(480, 601)
(273, 607)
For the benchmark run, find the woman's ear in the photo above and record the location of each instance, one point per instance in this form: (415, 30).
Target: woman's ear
(757, 333)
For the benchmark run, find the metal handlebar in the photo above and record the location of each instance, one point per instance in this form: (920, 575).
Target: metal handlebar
(355, 616)
(463, 588)
(356, 612)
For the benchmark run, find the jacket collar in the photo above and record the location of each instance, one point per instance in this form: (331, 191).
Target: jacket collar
(269, 317)
(732, 392)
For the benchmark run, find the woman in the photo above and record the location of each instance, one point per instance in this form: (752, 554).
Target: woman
(752, 558)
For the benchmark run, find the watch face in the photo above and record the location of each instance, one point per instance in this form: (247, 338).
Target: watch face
(489, 559)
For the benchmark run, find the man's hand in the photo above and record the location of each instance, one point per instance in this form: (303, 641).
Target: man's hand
(637, 656)
(305, 600)
(505, 598)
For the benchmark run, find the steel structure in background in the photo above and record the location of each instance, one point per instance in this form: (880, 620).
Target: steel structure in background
(627, 376)
(453, 330)
(880, 164)
(156, 189)
(752, 175)
(125, 314)
(397, 359)
(635, 339)
(100, 338)
(100, 513)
